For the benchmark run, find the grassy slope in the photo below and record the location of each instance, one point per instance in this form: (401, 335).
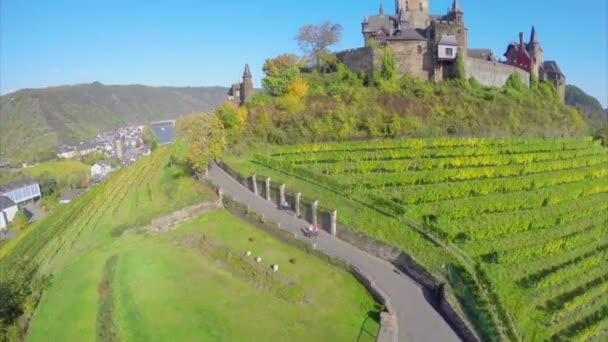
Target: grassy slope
(178, 293)
(167, 292)
(59, 168)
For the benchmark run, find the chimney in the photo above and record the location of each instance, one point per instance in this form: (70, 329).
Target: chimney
(521, 39)
(381, 8)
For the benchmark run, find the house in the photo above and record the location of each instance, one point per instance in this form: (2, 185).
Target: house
(69, 195)
(101, 169)
(22, 191)
(86, 148)
(66, 152)
(8, 210)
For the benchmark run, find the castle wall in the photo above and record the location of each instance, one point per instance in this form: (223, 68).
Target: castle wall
(493, 73)
(412, 58)
(357, 60)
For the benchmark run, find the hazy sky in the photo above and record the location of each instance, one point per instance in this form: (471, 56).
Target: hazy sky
(207, 42)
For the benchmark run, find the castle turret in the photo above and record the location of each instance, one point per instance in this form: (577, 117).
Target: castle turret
(247, 85)
(536, 52)
(416, 12)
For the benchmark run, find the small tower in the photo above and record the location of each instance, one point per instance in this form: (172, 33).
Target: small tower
(247, 85)
(457, 12)
(536, 52)
(416, 12)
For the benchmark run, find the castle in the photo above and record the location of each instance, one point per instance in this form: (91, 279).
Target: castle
(240, 92)
(427, 46)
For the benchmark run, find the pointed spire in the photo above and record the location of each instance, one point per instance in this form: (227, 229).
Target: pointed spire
(456, 6)
(381, 8)
(533, 36)
(247, 72)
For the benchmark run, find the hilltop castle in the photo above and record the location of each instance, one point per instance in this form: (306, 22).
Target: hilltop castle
(240, 92)
(426, 46)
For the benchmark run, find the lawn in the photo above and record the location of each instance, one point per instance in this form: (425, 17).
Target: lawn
(166, 287)
(59, 168)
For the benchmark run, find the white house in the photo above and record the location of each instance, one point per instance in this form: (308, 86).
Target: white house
(8, 210)
(22, 191)
(448, 48)
(66, 152)
(101, 169)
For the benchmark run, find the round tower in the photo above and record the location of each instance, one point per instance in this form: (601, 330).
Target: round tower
(416, 12)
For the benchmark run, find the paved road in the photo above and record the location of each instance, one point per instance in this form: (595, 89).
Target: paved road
(416, 318)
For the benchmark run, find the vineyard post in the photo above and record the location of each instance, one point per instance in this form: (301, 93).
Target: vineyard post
(268, 189)
(297, 205)
(220, 194)
(282, 195)
(334, 219)
(254, 184)
(314, 206)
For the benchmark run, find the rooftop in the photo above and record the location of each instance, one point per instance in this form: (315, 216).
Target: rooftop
(16, 185)
(6, 203)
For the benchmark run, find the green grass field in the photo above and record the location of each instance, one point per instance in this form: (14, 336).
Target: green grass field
(194, 283)
(520, 222)
(59, 168)
(164, 290)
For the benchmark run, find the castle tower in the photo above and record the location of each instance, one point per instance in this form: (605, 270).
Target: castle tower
(247, 85)
(536, 52)
(416, 12)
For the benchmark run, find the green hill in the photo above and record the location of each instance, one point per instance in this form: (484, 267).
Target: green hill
(34, 121)
(587, 104)
(113, 279)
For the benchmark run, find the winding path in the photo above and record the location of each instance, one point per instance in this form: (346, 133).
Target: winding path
(416, 318)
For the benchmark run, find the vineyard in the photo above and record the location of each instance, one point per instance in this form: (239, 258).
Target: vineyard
(35, 251)
(521, 223)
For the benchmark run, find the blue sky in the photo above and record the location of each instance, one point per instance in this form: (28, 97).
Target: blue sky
(207, 42)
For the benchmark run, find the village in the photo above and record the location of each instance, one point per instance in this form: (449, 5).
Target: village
(78, 167)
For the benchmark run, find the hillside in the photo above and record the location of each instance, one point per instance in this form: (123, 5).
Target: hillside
(513, 227)
(32, 121)
(116, 278)
(587, 104)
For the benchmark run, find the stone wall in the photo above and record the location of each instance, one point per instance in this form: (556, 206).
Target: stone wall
(493, 74)
(412, 58)
(357, 60)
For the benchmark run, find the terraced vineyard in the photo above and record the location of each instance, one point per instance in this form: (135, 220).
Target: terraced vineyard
(528, 219)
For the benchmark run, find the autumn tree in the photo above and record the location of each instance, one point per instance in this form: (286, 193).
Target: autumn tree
(233, 119)
(205, 137)
(280, 73)
(315, 40)
(298, 89)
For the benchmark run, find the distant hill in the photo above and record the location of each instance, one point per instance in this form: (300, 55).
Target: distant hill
(588, 105)
(34, 121)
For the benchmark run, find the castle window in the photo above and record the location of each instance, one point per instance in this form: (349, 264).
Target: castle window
(449, 52)
(419, 49)
(407, 5)
(420, 5)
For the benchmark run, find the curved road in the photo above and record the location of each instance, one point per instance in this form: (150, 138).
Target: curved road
(416, 318)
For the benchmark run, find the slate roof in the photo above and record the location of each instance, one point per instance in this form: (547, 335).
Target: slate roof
(551, 67)
(485, 54)
(448, 40)
(6, 203)
(86, 146)
(409, 34)
(375, 23)
(16, 185)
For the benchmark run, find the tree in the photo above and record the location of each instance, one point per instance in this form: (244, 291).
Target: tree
(48, 184)
(461, 73)
(233, 119)
(205, 137)
(298, 88)
(280, 73)
(389, 68)
(315, 40)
